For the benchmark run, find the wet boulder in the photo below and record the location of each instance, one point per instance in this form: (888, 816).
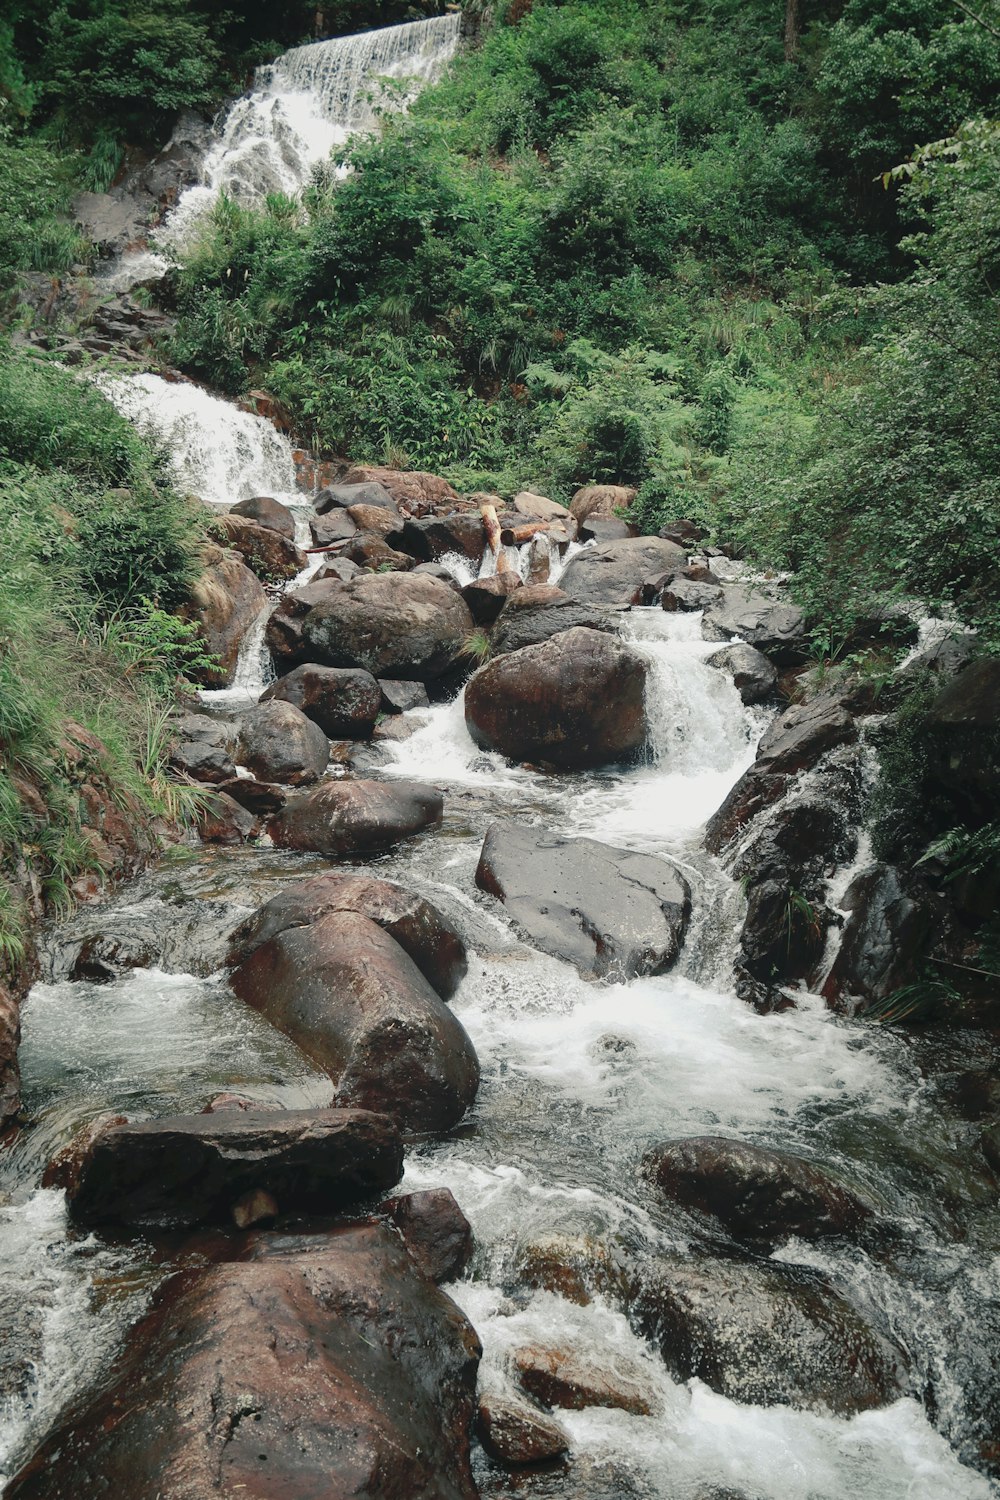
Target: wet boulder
(776, 629)
(963, 727)
(258, 797)
(279, 743)
(264, 510)
(223, 820)
(601, 500)
(754, 677)
(687, 595)
(349, 996)
(268, 554)
(883, 939)
(335, 526)
(343, 496)
(414, 492)
(194, 1169)
(392, 625)
(783, 931)
(486, 597)
(760, 1195)
(342, 818)
(755, 791)
(399, 696)
(435, 1232)
(562, 1377)
(422, 931)
(612, 913)
(377, 520)
(225, 603)
(434, 537)
(613, 573)
(372, 552)
(766, 1334)
(513, 1432)
(10, 1038)
(803, 733)
(344, 701)
(333, 1370)
(537, 612)
(201, 748)
(576, 701)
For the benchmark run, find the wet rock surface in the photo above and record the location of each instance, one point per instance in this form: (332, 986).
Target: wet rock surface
(355, 1002)
(435, 1232)
(334, 1370)
(537, 612)
(514, 1432)
(882, 940)
(225, 603)
(753, 675)
(561, 1377)
(356, 817)
(776, 629)
(278, 743)
(266, 552)
(613, 913)
(575, 701)
(422, 931)
(202, 748)
(195, 1169)
(344, 702)
(767, 1334)
(268, 512)
(760, 1195)
(612, 573)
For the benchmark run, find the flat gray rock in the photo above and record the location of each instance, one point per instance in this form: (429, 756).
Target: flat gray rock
(612, 913)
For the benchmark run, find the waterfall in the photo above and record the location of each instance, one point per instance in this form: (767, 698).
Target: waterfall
(309, 101)
(216, 451)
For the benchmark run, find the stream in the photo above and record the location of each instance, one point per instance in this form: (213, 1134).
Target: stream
(579, 1079)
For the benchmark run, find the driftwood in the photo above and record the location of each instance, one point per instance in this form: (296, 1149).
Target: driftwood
(516, 536)
(494, 536)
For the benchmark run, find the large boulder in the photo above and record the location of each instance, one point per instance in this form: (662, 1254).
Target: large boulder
(486, 597)
(883, 941)
(413, 491)
(766, 1334)
(754, 676)
(373, 553)
(436, 536)
(375, 519)
(515, 1432)
(268, 554)
(226, 601)
(538, 507)
(201, 748)
(343, 496)
(268, 512)
(612, 913)
(329, 1367)
(803, 733)
(350, 997)
(563, 1377)
(760, 1195)
(575, 701)
(601, 500)
(613, 573)
(435, 1232)
(343, 818)
(393, 625)
(278, 743)
(196, 1169)
(335, 526)
(779, 630)
(963, 726)
(344, 701)
(538, 611)
(418, 927)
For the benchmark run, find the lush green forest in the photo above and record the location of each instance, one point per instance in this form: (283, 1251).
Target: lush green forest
(742, 257)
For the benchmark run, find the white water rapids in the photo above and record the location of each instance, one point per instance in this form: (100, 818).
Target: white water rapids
(578, 1079)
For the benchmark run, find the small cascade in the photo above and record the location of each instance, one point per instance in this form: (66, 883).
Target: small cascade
(217, 451)
(302, 106)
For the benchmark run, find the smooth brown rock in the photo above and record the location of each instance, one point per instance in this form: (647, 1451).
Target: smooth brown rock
(419, 928)
(392, 625)
(613, 573)
(538, 508)
(278, 743)
(760, 1195)
(576, 701)
(538, 611)
(378, 519)
(225, 603)
(561, 1377)
(356, 817)
(353, 1001)
(514, 1432)
(373, 554)
(334, 1371)
(344, 701)
(601, 500)
(194, 1169)
(413, 491)
(268, 554)
(225, 821)
(435, 1232)
(486, 597)
(264, 510)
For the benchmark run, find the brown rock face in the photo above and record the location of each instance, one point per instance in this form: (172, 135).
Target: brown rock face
(601, 500)
(435, 1232)
(279, 743)
(418, 927)
(266, 552)
(514, 1432)
(348, 995)
(538, 611)
(760, 1195)
(406, 625)
(486, 597)
(413, 491)
(613, 573)
(374, 518)
(560, 1377)
(334, 1371)
(225, 602)
(194, 1169)
(436, 536)
(575, 701)
(356, 817)
(266, 511)
(344, 701)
